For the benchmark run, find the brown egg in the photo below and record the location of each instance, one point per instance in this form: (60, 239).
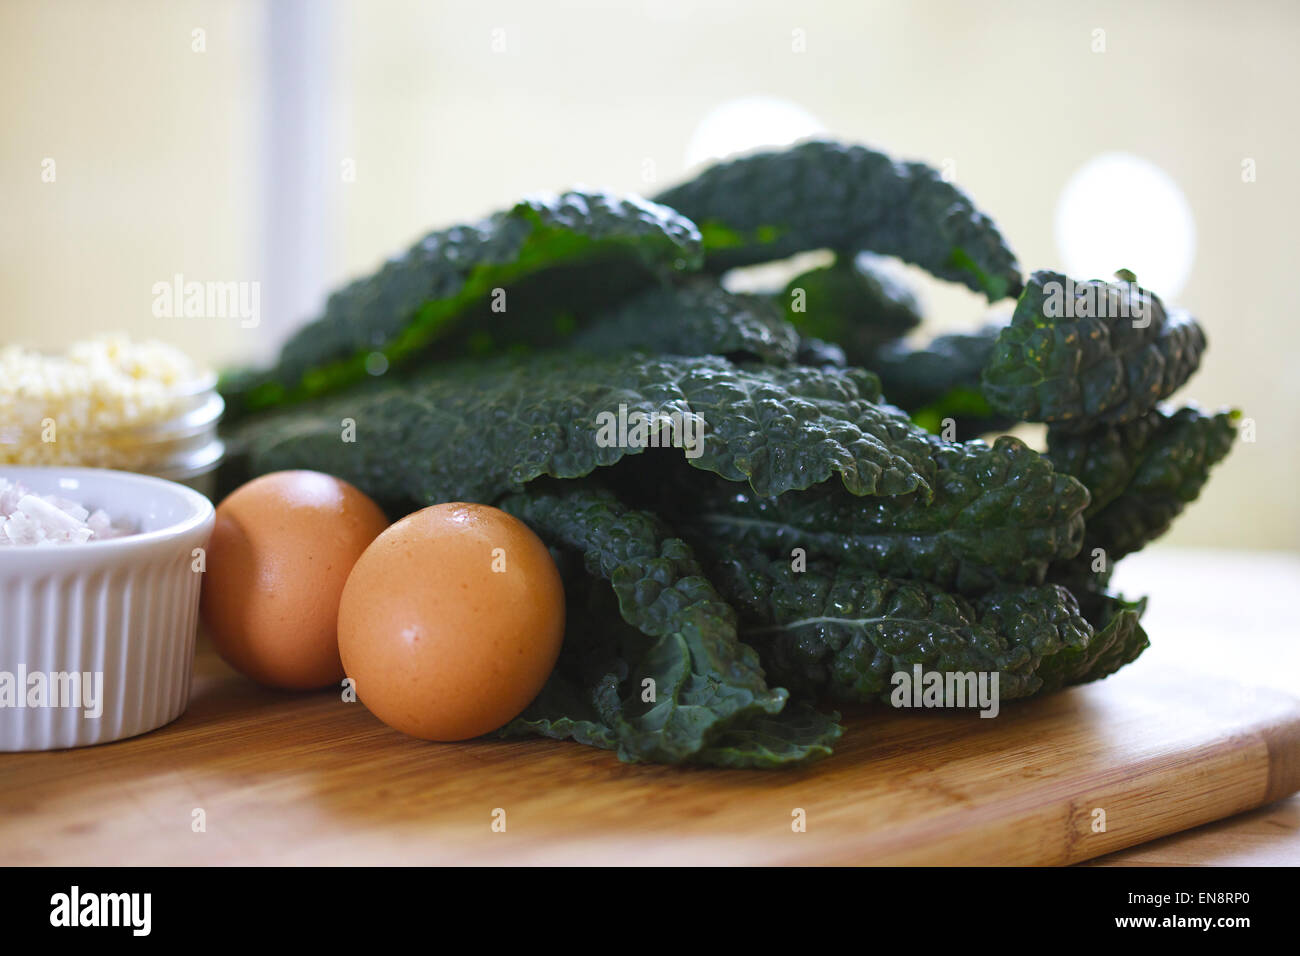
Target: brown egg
(451, 621)
(281, 550)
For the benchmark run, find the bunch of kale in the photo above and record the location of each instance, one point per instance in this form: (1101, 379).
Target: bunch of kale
(787, 517)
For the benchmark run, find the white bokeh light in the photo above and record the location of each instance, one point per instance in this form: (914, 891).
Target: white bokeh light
(1122, 211)
(748, 123)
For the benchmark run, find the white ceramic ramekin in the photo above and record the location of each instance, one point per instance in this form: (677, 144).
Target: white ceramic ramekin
(125, 609)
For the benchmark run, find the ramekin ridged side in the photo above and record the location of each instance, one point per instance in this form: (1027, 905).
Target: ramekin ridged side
(125, 610)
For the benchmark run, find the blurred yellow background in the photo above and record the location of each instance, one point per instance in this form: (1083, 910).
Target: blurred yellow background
(297, 144)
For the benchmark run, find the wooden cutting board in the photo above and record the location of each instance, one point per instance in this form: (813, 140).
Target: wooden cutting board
(308, 779)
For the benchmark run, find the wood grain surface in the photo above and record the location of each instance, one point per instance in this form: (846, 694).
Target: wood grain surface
(310, 779)
(307, 779)
(1269, 836)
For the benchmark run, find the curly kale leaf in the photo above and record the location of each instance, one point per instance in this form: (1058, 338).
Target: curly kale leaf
(915, 376)
(694, 318)
(710, 701)
(1141, 474)
(837, 630)
(820, 354)
(1086, 576)
(1082, 354)
(589, 244)
(1118, 639)
(474, 431)
(939, 382)
(799, 734)
(855, 303)
(999, 514)
(822, 195)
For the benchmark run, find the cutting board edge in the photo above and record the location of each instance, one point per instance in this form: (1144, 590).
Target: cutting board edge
(1270, 751)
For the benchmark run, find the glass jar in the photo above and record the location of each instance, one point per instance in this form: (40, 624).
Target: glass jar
(177, 439)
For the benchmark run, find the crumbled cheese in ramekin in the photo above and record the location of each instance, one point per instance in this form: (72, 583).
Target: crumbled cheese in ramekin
(45, 520)
(72, 408)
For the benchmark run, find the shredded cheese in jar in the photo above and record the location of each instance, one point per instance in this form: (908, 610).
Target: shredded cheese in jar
(89, 405)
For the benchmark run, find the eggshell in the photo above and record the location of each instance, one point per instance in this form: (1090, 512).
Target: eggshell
(281, 550)
(451, 621)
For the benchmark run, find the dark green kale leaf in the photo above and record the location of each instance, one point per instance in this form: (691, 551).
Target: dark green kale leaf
(710, 702)
(590, 244)
(1082, 354)
(837, 630)
(476, 430)
(999, 514)
(822, 195)
(799, 734)
(693, 318)
(1141, 474)
(820, 354)
(855, 303)
(1118, 639)
(1086, 576)
(912, 377)
(939, 383)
